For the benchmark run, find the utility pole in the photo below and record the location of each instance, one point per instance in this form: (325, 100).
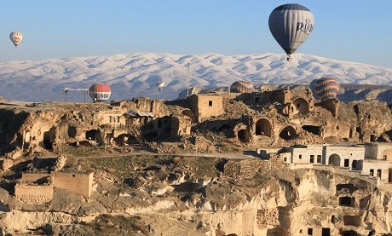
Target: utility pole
(65, 91)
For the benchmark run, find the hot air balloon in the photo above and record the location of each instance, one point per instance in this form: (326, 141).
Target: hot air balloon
(160, 85)
(325, 88)
(241, 87)
(16, 37)
(99, 92)
(290, 25)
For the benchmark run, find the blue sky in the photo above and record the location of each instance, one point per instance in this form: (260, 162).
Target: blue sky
(349, 30)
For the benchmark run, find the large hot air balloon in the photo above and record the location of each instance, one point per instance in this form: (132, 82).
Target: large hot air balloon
(99, 92)
(16, 37)
(241, 87)
(291, 24)
(325, 88)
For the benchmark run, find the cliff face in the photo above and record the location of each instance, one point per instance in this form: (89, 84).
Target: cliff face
(29, 129)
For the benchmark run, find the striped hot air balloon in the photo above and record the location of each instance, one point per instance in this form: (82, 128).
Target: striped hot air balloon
(325, 88)
(241, 87)
(99, 92)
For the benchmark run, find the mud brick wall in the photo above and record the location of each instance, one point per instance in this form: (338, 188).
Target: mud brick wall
(75, 183)
(33, 177)
(34, 193)
(248, 168)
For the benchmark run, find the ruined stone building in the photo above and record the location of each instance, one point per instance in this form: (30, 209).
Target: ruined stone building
(205, 106)
(39, 187)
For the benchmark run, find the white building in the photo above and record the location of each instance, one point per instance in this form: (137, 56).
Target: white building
(373, 159)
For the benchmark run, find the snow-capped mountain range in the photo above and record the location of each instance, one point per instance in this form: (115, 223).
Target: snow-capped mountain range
(137, 74)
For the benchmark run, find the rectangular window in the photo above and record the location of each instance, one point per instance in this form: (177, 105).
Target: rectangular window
(346, 162)
(355, 164)
(310, 231)
(371, 172)
(379, 173)
(210, 103)
(311, 158)
(300, 156)
(318, 158)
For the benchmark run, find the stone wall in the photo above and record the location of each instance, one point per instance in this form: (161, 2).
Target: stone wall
(248, 168)
(379, 151)
(75, 183)
(181, 125)
(33, 177)
(379, 168)
(307, 154)
(42, 189)
(344, 156)
(110, 117)
(34, 193)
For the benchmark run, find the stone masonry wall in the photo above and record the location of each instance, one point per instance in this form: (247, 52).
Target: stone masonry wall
(33, 177)
(75, 183)
(248, 168)
(34, 193)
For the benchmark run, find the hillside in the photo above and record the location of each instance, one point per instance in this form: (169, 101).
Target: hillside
(134, 75)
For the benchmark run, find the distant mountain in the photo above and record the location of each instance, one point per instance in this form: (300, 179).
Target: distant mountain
(137, 74)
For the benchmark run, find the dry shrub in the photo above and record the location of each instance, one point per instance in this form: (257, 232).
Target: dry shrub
(112, 170)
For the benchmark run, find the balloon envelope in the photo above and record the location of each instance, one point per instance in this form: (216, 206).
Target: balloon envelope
(290, 25)
(325, 88)
(16, 37)
(160, 85)
(241, 87)
(100, 92)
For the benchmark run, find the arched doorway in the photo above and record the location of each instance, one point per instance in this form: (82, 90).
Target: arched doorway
(301, 106)
(334, 160)
(264, 127)
(189, 114)
(243, 136)
(277, 231)
(288, 133)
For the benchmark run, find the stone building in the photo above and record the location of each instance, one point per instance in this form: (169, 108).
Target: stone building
(114, 118)
(205, 106)
(370, 159)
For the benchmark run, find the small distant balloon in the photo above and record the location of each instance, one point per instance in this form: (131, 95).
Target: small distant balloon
(290, 25)
(16, 37)
(160, 85)
(325, 88)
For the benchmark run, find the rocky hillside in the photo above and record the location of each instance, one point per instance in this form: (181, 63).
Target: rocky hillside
(175, 195)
